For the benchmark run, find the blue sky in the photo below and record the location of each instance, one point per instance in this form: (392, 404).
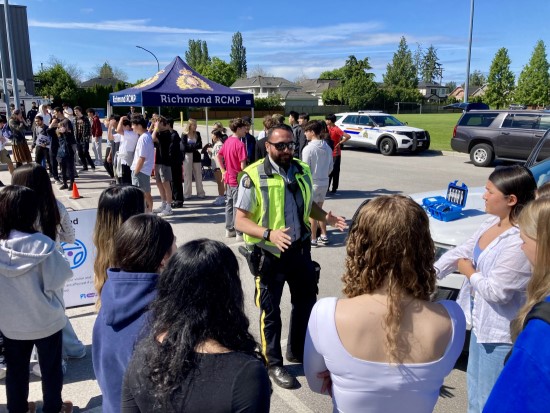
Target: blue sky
(285, 38)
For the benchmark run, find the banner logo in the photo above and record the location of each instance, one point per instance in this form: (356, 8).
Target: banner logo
(75, 253)
(188, 80)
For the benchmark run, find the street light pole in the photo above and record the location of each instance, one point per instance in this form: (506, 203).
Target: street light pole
(158, 65)
(467, 83)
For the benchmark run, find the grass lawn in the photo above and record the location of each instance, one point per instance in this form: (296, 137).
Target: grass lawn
(440, 126)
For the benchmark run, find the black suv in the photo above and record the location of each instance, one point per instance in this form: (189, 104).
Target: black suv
(499, 134)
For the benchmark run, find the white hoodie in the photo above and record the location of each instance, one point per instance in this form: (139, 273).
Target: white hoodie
(32, 276)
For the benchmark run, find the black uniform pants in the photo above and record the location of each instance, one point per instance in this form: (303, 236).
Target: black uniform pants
(83, 149)
(296, 268)
(18, 354)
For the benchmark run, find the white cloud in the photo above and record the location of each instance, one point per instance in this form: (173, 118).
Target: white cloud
(138, 25)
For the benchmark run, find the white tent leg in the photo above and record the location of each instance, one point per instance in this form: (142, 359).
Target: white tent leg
(252, 126)
(206, 116)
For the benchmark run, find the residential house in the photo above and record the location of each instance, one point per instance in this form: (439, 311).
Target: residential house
(479, 92)
(298, 98)
(457, 93)
(264, 87)
(316, 87)
(432, 91)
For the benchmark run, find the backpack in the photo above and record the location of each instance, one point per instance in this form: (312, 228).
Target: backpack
(6, 131)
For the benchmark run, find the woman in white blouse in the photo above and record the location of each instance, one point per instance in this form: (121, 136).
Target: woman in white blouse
(497, 273)
(385, 347)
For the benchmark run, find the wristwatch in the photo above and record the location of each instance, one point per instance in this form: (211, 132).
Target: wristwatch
(266, 235)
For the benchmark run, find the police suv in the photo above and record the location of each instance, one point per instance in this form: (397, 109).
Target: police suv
(382, 131)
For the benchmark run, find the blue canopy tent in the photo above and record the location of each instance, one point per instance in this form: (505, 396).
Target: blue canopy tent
(179, 85)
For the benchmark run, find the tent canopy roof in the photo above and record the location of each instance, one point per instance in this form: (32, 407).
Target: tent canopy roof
(179, 85)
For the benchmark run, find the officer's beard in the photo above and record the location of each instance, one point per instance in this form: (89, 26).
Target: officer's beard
(283, 159)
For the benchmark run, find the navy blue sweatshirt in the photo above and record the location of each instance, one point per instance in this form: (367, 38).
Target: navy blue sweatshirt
(125, 299)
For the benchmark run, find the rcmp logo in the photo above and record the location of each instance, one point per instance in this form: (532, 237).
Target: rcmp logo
(247, 183)
(149, 81)
(189, 81)
(365, 134)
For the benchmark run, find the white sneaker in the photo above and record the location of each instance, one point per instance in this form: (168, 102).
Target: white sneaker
(161, 208)
(230, 234)
(219, 201)
(240, 238)
(167, 211)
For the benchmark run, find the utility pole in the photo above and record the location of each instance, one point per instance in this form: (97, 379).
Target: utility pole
(467, 83)
(14, 81)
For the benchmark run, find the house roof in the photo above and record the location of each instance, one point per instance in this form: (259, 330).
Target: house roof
(263, 81)
(102, 81)
(318, 85)
(297, 95)
(480, 91)
(459, 90)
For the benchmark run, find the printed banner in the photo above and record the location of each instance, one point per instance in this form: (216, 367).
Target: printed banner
(79, 290)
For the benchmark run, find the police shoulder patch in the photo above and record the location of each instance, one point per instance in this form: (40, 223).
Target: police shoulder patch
(246, 182)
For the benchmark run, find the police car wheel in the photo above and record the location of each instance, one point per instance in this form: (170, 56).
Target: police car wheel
(387, 146)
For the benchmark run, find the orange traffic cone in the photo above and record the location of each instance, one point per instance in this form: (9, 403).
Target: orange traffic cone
(76, 194)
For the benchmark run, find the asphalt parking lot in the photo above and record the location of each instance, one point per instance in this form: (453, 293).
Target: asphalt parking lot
(364, 174)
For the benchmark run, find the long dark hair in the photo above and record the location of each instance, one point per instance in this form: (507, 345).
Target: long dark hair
(199, 297)
(18, 210)
(36, 178)
(515, 180)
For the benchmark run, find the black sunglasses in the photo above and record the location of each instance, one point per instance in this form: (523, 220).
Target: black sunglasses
(281, 146)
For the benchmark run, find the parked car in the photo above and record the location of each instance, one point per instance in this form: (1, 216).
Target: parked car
(447, 235)
(499, 134)
(383, 132)
(466, 106)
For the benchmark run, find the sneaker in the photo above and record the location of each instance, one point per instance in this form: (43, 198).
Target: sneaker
(70, 187)
(219, 201)
(314, 243)
(323, 239)
(230, 233)
(2, 183)
(240, 237)
(177, 204)
(63, 186)
(161, 208)
(166, 212)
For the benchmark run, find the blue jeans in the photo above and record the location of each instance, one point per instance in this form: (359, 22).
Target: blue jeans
(485, 362)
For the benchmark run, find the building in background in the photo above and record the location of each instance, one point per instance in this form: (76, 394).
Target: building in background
(21, 46)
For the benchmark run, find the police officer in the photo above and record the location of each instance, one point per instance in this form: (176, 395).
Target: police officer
(273, 208)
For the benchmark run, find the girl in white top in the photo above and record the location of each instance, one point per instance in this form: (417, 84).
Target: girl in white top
(497, 274)
(385, 347)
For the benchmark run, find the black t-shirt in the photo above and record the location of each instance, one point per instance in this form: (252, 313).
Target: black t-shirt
(163, 148)
(223, 383)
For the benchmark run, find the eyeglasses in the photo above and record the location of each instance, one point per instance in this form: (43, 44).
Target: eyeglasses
(281, 146)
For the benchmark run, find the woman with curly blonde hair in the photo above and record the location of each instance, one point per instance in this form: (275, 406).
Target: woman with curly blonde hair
(385, 347)
(116, 204)
(524, 384)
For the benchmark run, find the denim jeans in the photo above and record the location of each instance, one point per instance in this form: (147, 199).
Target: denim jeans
(72, 346)
(231, 196)
(485, 362)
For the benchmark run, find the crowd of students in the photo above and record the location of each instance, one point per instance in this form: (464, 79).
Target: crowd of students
(171, 333)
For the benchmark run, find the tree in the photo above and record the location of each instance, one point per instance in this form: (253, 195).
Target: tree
(450, 86)
(477, 79)
(333, 74)
(238, 55)
(431, 69)
(401, 72)
(72, 70)
(534, 81)
(57, 82)
(219, 71)
(357, 88)
(259, 71)
(197, 53)
(106, 71)
(500, 82)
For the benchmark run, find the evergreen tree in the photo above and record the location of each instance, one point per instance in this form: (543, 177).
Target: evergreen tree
(57, 82)
(431, 69)
(477, 79)
(197, 53)
(500, 82)
(238, 55)
(534, 81)
(401, 72)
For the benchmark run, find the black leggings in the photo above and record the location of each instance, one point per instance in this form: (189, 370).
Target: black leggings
(18, 354)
